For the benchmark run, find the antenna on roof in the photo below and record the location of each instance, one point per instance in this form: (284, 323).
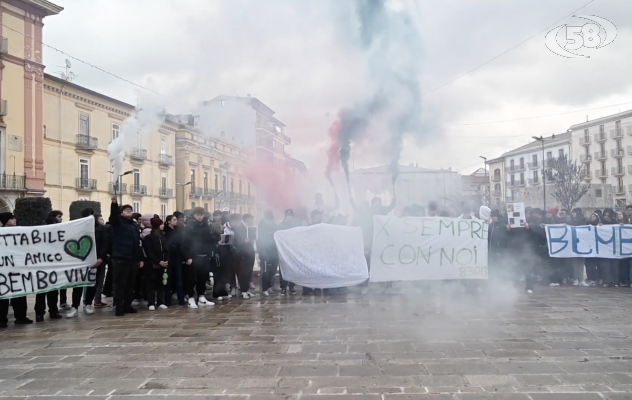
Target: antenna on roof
(68, 76)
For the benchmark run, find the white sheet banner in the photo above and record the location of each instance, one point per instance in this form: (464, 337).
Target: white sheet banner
(587, 241)
(411, 249)
(39, 259)
(322, 256)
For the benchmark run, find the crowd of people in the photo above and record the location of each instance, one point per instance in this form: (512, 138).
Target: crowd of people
(195, 261)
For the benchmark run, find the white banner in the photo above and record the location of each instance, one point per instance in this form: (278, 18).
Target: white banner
(587, 241)
(39, 259)
(322, 256)
(411, 249)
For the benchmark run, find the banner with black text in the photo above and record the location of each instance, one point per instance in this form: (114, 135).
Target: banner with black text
(588, 241)
(428, 248)
(38, 259)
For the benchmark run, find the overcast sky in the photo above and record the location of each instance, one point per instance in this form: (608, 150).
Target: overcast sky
(297, 57)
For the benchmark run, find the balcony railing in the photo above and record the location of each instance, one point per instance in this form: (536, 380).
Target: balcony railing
(115, 188)
(4, 108)
(619, 190)
(497, 193)
(585, 158)
(600, 137)
(534, 181)
(165, 159)
(12, 182)
(618, 171)
(165, 192)
(601, 155)
(517, 168)
(517, 184)
(601, 173)
(138, 154)
(138, 190)
(586, 176)
(196, 192)
(616, 133)
(208, 193)
(86, 142)
(496, 178)
(533, 165)
(584, 141)
(617, 153)
(85, 184)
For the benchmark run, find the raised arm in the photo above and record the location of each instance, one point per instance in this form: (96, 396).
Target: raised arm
(115, 214)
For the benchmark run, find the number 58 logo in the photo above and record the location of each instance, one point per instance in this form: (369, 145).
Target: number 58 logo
(590, 35)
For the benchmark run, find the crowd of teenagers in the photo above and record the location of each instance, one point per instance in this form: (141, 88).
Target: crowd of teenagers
(194, 261)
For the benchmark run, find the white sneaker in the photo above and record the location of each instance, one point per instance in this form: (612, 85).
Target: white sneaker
(72, 313)
(88, 310)
(529, 291)
(583, 284)
(233, 292)
(202, 301)
(266, 294)
(163, 307)
(554, 284)
(152, 308)
(245, 295)
(135, 302)
(192, 303)
(576, 282)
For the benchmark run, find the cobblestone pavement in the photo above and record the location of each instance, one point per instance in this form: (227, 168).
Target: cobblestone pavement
(556, 344)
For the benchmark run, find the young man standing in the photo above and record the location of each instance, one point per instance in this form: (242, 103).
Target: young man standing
(197, 247)
(268, 256)
(53, 217)
(19, 305)
(127, 256)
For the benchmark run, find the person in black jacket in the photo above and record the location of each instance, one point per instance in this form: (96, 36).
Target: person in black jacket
(127, 256)
(198, 244)
(245, 247)
(609, 267)
(156, 251)
(268, 255)
(498, 242)
(173, 238)
(102, 236)
(53, 217)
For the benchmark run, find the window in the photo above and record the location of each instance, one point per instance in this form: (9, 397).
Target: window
(535, 176)
(497, 187)
(620, 183)
(601, 129)
(84, 124)
(586, 136)
(603, 165)
(602, 148)
(549, 155)
(163, 146)
(84, 171)
(534, 159)
(512, 180)
(224, 183)
(496, 175)
(192, 179)
(163, 211)
(617, 126)
(522, 178)
(521, 162)
(163, 179)
(136, 206)
(206, 182)
(560, 153)
(136, 177)
(597, 192)
(216, 182)
(240, 189)
(232, 184)
(248, 188)
(192, 205)
(206, 207)
(116, 131)
(511, 164)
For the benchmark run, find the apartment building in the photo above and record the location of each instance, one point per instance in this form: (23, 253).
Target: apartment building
(518, 174)
(604, 146)
(21, 98)
(212, 173)
(78, 125)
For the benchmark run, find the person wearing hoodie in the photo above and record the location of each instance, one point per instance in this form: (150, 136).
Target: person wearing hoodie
(577, 219)
(268, 255)
(157, 257)
(245, 251)
(173, 240)
(19, 304)
(288, 222)
(127, 256)
(140, 288)
(53, 217)
(198, 244)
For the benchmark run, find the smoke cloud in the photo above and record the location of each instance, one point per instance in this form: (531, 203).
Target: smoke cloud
(389, 38)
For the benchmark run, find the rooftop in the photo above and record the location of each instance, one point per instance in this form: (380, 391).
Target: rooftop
(86, 90)
(602, 120)
(44, 7)
(257, 104)
(549, 141)
(403, 169)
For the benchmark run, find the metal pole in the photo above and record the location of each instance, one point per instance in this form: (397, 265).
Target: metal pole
(543, 177)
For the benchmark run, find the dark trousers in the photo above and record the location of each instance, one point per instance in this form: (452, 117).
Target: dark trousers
(284, 283)
(244, 273)
(49, 297)
(139, 284)
(592, 269)
(63, 296)
(19, 309)
(124, 276)
(624, 271)
(107, 285)
(609, 270)
(269, 265)
(197, 275)
(175, 282)
(155, 287)
(220, 275)
(77, 293)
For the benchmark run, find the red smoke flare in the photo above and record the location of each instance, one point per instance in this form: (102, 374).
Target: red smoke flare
(275, 184)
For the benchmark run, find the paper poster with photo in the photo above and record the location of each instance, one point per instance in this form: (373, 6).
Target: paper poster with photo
(516, 216)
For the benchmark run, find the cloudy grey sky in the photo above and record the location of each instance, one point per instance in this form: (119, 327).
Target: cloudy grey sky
(299, 57)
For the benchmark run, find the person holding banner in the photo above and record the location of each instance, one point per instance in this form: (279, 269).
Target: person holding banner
(19, 304)
(53, 217)
(127, 256)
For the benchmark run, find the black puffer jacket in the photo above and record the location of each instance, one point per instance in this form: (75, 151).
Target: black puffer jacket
(126, 244)
(101, 239)
(198, 239)
(156, 249)
(173, 238)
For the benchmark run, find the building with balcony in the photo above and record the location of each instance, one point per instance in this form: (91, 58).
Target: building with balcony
(78, 125)
(21, 99)
(609, 141)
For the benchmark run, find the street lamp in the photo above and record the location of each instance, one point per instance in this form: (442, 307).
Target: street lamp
(542, 140)
(486, 189)
(119, 184)
(183, 185)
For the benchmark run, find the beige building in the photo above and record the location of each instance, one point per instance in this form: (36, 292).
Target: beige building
(21, 98)
(212, 173)
(78, 126)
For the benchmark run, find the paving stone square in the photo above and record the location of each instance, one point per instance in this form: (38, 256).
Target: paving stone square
(558, 343)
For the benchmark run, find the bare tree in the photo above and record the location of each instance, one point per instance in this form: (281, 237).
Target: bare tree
(568, 181)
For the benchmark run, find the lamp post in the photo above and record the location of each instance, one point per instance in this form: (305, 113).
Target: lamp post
(486, 189)
(542, 140)
(183, 185)
(119, 184)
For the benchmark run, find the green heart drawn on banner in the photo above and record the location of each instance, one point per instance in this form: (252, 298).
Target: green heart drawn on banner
(79, 248)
